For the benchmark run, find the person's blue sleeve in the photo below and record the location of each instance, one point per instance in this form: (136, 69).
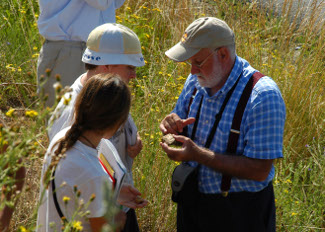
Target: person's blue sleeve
(264, 125)
(100, 4)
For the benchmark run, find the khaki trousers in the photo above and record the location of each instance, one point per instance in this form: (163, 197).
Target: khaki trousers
(60, 57)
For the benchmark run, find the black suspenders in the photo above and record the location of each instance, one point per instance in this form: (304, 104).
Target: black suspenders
(235, 127)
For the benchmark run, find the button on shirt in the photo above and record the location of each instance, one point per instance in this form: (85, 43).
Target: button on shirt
(261, 130)
(73, 20)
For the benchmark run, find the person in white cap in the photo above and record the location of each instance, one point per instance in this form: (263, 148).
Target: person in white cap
(230, 119)
(111, 48)
(65, 25)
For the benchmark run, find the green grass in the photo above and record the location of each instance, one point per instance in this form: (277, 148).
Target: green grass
(292, 53)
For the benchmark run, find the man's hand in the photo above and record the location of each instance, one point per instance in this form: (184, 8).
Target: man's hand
(173, 124)
(129, 197)
(189, 151)
(134, 150)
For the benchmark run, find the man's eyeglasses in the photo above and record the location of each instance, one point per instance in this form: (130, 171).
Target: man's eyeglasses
(199, 66)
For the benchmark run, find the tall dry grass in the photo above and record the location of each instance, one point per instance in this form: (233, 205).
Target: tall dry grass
(289, 48)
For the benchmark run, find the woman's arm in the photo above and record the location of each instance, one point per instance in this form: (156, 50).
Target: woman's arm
(98, 223)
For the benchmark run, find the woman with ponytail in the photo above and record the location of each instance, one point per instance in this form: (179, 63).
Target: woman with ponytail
(72, 166)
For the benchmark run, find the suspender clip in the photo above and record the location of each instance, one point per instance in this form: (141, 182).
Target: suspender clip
(235, 131)
(224, 193)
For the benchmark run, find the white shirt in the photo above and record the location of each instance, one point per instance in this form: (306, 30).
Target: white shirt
(80, 168)
(63, 117)
(73, 20)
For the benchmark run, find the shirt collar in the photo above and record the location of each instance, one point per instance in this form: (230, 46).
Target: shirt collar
(84, 148)
(232, 78)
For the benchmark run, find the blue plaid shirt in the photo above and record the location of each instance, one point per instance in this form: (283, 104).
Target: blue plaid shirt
(261, 129)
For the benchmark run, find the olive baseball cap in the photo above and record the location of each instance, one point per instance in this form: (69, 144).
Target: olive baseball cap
(207, 32)
(113, 44)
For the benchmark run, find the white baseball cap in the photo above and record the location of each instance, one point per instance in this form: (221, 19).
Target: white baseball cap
(113, 43)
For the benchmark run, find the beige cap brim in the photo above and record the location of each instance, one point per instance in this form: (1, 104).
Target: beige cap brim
(180, 53)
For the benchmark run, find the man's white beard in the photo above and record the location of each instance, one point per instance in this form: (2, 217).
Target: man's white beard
(212, 81)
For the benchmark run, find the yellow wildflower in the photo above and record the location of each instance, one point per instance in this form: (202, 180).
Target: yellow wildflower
(9, 67)
(23, 229)
(135, 16)
(66, 101)
(31, 113)
(10, 112)
(66, 199)
(3, 142)
(77, 225)
(35, 55)
(293, 214)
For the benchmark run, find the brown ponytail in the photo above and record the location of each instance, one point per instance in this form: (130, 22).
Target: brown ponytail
(103, 103)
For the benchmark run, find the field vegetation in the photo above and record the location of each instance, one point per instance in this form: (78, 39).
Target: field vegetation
(290, 49)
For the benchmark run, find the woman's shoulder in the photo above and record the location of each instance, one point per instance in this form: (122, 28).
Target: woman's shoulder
(80, 164)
